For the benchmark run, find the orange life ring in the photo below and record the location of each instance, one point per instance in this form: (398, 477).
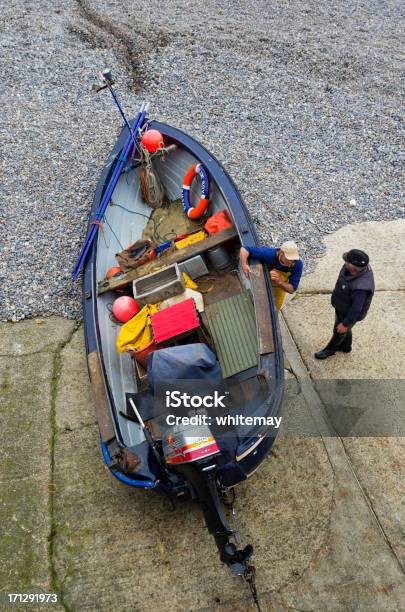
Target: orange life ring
(195, 212)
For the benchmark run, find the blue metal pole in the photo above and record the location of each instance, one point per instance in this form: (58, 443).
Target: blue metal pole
(107, 195)
(106, 198)
(104, 202)
(114, 95)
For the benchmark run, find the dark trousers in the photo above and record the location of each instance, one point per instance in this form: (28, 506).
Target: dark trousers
(340, 342)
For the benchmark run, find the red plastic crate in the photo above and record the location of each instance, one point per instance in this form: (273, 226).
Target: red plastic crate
(174, 320)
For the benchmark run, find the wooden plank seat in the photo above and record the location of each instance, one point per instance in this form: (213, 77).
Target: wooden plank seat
(167, 259)
(232, 325)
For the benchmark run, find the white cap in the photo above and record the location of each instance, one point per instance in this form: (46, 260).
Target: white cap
(290, 250)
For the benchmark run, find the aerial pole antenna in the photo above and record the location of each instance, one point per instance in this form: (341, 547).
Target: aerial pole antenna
(107, 82)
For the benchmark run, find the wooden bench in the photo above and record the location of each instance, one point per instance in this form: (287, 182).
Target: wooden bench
(167, 259)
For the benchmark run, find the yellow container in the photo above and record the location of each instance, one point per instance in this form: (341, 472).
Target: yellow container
(191, 239)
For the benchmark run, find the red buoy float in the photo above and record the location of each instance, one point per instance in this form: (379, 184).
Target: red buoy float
(124, 308)
(152, 140)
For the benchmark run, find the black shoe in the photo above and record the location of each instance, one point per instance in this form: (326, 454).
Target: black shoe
(345, 350)
(324, 354)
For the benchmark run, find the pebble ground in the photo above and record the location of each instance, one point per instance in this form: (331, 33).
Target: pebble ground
(303, 102)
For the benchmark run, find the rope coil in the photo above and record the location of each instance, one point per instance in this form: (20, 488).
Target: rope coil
(151, 188)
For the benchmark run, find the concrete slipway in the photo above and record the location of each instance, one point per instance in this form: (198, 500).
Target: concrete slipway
(327, 514)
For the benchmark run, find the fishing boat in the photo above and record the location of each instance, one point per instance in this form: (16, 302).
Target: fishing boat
(223, 344)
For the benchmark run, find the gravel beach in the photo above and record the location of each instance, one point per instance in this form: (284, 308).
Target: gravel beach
(303, 102)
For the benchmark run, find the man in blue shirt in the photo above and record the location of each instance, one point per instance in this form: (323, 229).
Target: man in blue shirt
(284, 264)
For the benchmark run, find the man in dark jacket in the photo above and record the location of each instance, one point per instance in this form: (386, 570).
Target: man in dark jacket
(351, 299)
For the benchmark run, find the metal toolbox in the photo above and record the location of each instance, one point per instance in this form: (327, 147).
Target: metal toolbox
(158, 286)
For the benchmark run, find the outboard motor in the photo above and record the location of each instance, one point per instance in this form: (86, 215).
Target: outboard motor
(192, 451)
(190, 448)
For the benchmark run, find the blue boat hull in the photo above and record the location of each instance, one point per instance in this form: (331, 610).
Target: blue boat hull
(251, 452)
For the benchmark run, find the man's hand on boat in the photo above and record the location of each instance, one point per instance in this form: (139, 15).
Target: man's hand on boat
(243, 257)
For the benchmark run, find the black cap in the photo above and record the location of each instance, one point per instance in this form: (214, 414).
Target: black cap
(357, 258)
